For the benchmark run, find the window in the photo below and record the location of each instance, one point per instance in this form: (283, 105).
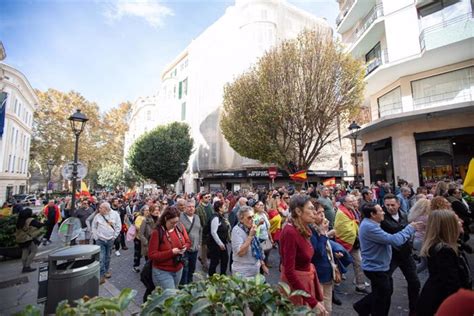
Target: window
(9, 163)
(13, 164)
(390, 103)
(148, 115)
(185, 86)
(451, 87)
(373, 58)
(441, 11)
(16, 105)
(183, 111)
(180, 90)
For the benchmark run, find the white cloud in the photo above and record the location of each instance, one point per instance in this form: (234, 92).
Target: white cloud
(151, 10)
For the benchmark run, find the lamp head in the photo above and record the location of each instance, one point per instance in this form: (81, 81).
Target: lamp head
(78, 121)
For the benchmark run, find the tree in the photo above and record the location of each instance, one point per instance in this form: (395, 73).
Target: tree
(287, 107)
(100, 144)
(110, 175)
(159, 154)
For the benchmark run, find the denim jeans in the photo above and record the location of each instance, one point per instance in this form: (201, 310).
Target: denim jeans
(189, 268)
(166, 279)
(105, 251)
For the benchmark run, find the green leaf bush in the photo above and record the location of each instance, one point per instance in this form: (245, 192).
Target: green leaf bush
(218, 295)
(7, 230)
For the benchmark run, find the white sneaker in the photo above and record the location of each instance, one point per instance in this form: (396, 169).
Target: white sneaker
(117, 253)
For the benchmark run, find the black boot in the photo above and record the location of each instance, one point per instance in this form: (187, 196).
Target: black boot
(335, 299)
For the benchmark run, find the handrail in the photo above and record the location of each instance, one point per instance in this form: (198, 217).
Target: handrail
(376, 62)
(442, 25)
(375, 13)
(344, 11)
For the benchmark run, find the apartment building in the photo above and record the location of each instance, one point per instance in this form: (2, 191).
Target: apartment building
(18, 102)
(419, 86)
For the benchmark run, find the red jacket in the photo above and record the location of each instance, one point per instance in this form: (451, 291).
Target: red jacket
(161, 253)
(56, 216)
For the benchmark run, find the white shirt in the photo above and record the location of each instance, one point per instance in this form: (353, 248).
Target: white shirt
(103, 230)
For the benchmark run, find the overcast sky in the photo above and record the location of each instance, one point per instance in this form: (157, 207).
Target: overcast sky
(109, 51)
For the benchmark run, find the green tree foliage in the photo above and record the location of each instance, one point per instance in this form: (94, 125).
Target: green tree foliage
(288, 107)
(110, 175)
(100, 143)
(158, 154)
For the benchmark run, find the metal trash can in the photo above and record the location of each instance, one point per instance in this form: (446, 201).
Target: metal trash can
(73, 272)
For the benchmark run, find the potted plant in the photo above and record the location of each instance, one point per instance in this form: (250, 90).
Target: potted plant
(8, 246)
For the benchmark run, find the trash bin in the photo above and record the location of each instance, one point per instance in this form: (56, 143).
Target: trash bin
(73, 272)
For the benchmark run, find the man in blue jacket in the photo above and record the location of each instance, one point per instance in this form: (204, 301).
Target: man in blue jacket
(376, 251)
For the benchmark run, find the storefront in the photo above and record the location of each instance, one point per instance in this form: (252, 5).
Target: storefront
(259, 179)
(380, 160)
(444, 155)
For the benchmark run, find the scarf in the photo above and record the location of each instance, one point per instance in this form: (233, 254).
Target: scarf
(254, 245)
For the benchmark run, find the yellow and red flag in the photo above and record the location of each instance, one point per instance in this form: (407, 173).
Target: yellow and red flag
(84, 190)
(330, 182)
(301, 176)
(468, 184)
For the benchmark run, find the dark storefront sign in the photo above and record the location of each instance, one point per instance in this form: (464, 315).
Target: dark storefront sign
(263, 173)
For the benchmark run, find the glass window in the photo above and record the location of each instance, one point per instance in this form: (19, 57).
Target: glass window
(185, 86)
(183, 111)
(381, 163)
(390, 103)
(180, 90)
(451, 87)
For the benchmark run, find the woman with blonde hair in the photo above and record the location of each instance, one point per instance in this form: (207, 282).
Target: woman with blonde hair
(419, 213)
(447, 265)
(441, 189)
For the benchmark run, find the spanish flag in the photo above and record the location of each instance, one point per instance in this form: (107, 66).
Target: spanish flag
(330, 182)
(301, 176)
(84, 190)
(468, 184)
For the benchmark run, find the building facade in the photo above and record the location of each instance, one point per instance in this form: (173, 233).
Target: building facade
(193, 86)
(419, 86)
(18, 102)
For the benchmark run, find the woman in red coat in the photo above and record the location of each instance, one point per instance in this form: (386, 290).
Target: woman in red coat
(296, 253)
(168, 243)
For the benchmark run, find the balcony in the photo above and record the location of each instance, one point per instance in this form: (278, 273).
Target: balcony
(389, 109)
(351, 13)
(344, 11)
(447, 32)
(442, 99)
(368, 32)
(376, 62)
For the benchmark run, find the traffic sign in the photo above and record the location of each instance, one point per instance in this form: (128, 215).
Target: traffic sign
(272, 172)
(66, 171)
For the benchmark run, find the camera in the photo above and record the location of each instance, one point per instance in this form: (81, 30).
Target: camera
(180, 259)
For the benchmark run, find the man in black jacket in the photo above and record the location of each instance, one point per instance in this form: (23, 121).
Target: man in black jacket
(394, 221)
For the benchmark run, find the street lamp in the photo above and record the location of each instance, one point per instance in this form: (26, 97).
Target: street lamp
(50, 165)
(182, 169)
(78, 121)
(354, 129)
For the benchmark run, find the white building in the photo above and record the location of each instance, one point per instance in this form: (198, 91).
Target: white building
(192, 87)
(142, 118)
(420, 86)
(18, 103)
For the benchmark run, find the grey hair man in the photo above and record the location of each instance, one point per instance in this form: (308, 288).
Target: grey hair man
(181, 205)
(106, 227)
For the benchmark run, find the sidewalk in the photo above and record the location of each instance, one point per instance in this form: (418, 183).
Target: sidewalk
(18, 290)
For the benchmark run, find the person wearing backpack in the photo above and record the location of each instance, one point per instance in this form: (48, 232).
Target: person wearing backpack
(168, 243)
(28, 229)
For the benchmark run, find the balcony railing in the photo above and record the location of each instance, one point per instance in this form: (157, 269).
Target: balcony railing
(442, 25)
(375, 13)
(449, 97)
(376, 62)
(388, 109)
(344, 11)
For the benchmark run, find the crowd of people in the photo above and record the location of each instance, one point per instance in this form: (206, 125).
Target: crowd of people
(317, 232)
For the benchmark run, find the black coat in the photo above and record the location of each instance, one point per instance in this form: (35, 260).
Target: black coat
(391, 226)
(448, 273)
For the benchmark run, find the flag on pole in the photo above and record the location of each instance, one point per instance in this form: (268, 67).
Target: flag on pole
(300, 176)
(84, 189)
(469, 180)
(330, 182)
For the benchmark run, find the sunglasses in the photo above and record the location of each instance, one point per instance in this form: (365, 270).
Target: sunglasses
(249, 217)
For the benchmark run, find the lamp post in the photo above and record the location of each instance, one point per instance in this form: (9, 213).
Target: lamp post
(354, 129)
(182, 168)
(78, 121)
(50, 165)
